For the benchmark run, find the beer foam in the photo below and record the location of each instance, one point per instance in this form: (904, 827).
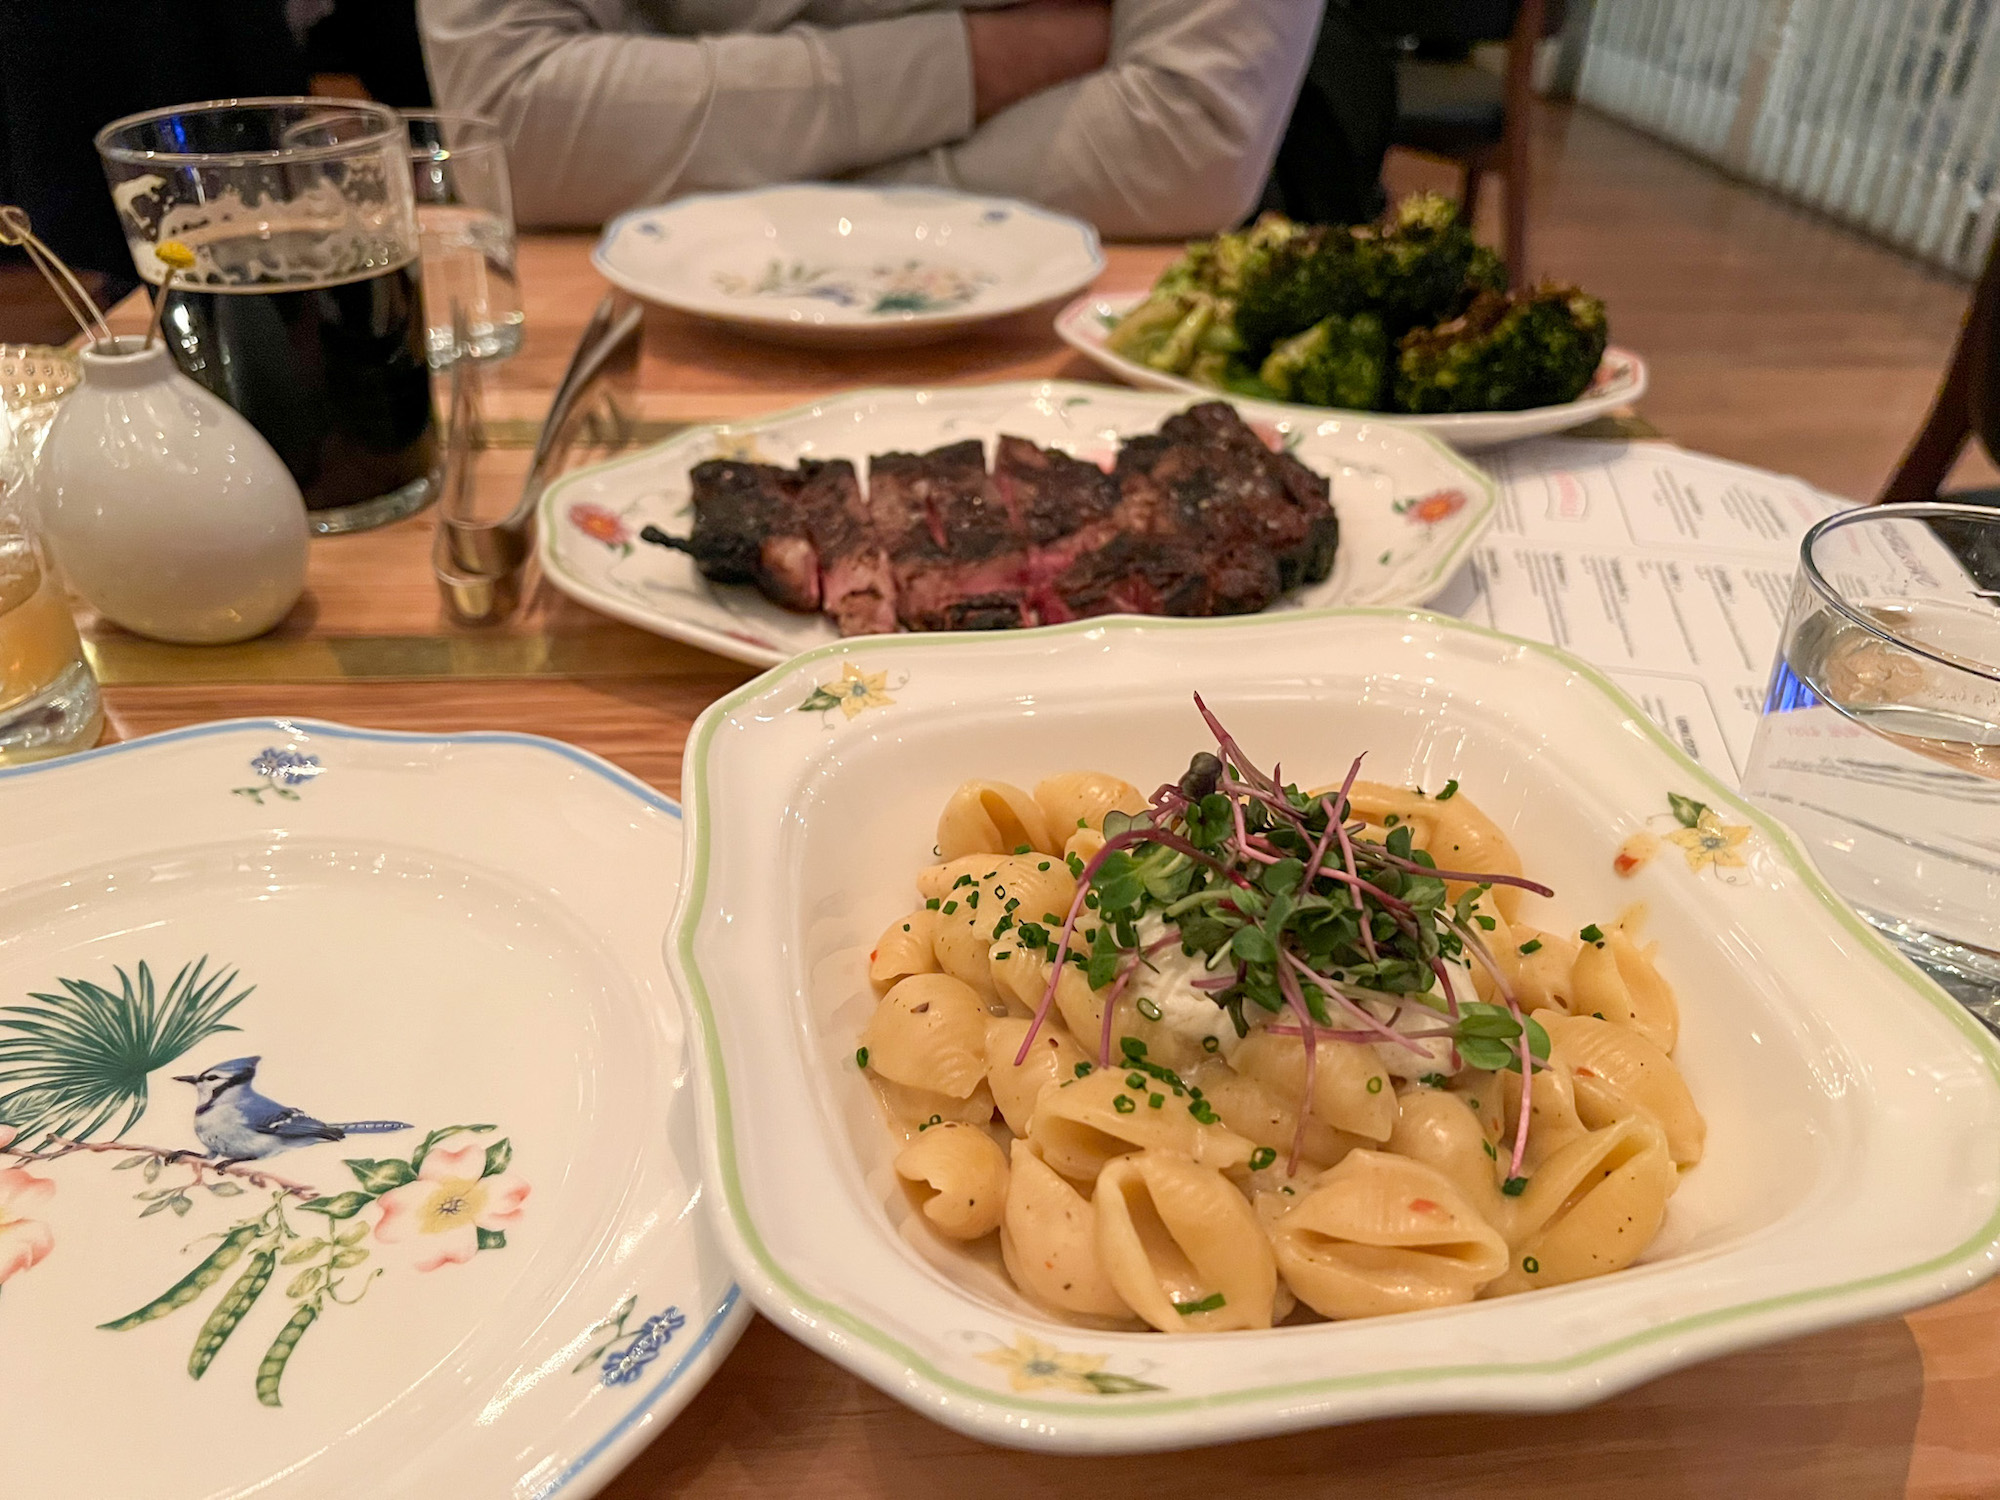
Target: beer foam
(321, 237)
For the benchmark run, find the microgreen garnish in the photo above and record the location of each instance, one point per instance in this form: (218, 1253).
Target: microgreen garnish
(1302, 922)
(1513, 1187)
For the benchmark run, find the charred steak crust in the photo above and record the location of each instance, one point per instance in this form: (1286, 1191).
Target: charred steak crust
(1199, 518)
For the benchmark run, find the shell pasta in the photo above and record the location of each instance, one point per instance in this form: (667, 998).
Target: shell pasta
(1238, 1053)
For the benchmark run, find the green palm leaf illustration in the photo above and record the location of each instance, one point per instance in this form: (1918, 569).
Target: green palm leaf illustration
(70, 1063)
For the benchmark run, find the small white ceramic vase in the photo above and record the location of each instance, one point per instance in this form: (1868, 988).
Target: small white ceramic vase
(168, 511)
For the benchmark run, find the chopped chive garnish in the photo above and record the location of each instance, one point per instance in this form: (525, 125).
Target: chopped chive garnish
(1392, 820)
(1148, 1009)
(1533, 945)
(1513, 1187)
(933, 1120)
(1531, 1265)
(950, 907)
(1209, 1303)
(1486, 923)
(1024, 848)
(1261, 1158)
(1434, 1080)
(1490, 1151)
(1375, 1084)
(1083, 1069)
(1123, 1104)
(1211, 1044)
(1450, 791)
(1203, 1111)
(1075, 863)
(1043, 865)
(962, 880)
(932, 904)
(1154, 1101)
(1592, 934)
(860, 1057)
(1135, 1080)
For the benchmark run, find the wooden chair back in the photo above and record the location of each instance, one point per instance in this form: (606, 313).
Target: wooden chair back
(1968, 403)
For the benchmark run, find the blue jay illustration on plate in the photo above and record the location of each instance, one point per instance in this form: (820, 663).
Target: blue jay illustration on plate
(234, 1122)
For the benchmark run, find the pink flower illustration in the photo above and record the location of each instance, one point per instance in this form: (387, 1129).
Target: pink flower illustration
(448, 1206)
(23, 1240)
(599, 524)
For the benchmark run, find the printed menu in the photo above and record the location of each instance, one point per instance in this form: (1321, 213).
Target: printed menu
(1669, 570)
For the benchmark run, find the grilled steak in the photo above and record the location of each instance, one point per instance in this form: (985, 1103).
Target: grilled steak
(1199, 518)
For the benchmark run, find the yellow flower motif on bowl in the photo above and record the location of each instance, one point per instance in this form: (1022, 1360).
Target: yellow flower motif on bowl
(1710, 841)
(852, 692)
(1032, 1365)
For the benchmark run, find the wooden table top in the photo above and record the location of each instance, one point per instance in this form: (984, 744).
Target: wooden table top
(1899, 1407)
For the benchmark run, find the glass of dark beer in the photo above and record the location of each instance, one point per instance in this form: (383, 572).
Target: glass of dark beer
(304, 309)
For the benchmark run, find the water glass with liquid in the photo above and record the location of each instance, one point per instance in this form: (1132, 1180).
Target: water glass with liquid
(465, 215)
(49, 702)
(1879, 742)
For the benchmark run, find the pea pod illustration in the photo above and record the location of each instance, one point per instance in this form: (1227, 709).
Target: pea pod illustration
(192, 1285)
(272, 1370)
(230, 1311)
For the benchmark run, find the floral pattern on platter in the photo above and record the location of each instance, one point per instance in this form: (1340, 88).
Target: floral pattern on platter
(1428, 510)
(888, 290)
(1707, 843)
(63, 1085)
(282, 770)
(1032, 1365)
(853, 692)
(602, 524)
(625, 1355)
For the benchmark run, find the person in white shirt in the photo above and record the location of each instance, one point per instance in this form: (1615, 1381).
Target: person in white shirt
(1150, 118)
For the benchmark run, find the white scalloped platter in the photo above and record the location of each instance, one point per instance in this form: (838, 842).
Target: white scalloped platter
(1410, 509)
(1853, 1158)
(846, 266)
(489, 1277)
(1085, 325)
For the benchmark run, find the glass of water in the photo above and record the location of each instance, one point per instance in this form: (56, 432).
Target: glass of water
(48, 698)
(465, 215)
(1880, 737)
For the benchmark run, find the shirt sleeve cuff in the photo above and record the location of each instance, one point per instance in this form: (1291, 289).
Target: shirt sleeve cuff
(909, 81)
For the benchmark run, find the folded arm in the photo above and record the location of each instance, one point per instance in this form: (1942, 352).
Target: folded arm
(599, 118)
(1174, 136)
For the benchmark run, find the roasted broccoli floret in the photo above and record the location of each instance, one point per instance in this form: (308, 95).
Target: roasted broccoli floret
(1168, 329)
(1336, 362)
(1308, 277)
(1485, 272)
(1411, 271)
(1504, 353)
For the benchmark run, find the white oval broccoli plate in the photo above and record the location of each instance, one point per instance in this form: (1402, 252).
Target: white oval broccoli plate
(1085, 325)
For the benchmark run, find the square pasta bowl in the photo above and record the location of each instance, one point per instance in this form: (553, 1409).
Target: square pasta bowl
(487, 1274)
(1853, 1164)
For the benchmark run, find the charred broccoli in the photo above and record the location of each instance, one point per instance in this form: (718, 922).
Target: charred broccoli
(1504, 353)
(1336, 362)
(1408, 314)
(1414, 269)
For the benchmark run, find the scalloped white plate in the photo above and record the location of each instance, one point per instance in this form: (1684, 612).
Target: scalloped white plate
(438, 931)
(1085, 325)
(1853, 1162)
(1409, 508)
(832, 265)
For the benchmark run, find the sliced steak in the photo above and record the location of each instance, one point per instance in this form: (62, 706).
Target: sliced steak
(958, 556)
(857, 586)
(748, 529)
(1049, 494)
